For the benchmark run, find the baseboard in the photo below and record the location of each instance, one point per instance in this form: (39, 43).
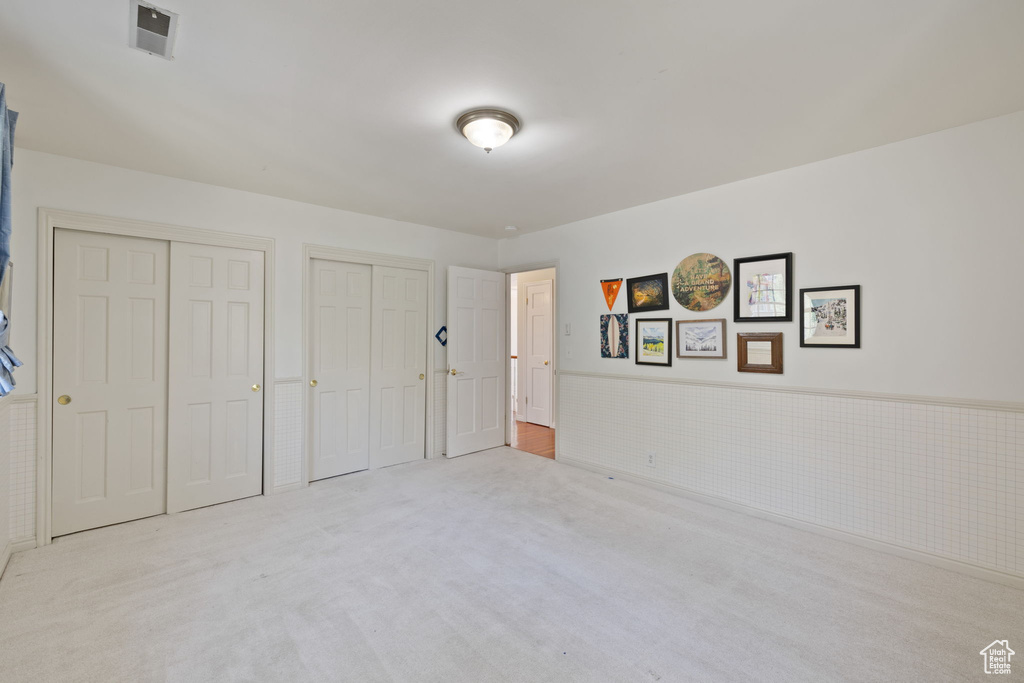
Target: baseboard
(5, 557)
(14, 547)
(289, 487)
(976, 571)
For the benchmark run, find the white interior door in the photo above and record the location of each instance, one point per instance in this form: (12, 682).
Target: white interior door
(215, 407)
(340, 364)
(476, 360)
(538, 352)
(110, 359)
(398, 365)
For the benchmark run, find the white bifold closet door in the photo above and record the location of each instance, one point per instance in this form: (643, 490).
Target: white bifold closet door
(215, 415)
(110, 374)
(157, 374)
(398, 363)
(368, 356)
(340, 364)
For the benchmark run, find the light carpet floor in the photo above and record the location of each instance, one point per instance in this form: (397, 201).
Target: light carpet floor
(498, 566)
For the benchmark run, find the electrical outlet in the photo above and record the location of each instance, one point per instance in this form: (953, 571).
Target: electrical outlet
(650, 458)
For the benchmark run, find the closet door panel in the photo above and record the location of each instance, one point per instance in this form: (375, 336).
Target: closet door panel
(340, 364)
(215, 413)
(398, 366)
(110, 362)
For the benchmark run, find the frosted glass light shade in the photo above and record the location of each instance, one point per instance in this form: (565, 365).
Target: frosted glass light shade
(488, 128)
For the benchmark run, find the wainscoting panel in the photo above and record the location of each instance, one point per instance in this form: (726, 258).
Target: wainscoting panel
(288, 432)
(941, 479)
(21, 421)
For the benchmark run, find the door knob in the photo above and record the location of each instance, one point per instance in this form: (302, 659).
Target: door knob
(312, 382)
(255, 387)
(545, 362)
(422, 375)
(64, 400)
(453, 372)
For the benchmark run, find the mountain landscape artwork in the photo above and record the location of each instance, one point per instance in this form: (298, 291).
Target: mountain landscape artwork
(654, 341)
(700, 338)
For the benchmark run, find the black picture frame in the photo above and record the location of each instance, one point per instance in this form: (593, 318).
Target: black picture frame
(639, 343)
(850, 341)
(658, 304)
(740, 295)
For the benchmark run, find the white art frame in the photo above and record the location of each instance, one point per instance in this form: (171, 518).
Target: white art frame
(701, 338)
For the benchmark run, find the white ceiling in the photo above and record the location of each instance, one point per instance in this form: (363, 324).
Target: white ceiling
(352, 104)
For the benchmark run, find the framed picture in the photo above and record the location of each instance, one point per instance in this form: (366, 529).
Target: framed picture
(615, 335)
(701, 281)
(830, 317)
(759, 352)
(700, 338)
(648, 293)
(654, 341)
(764, 288)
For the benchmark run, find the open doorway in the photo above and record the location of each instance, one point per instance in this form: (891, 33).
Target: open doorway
(532, 377)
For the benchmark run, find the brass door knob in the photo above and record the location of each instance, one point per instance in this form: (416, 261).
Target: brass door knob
(312, 382)
(64, 400)
(422, 375)
(453, 372)
(255, 387)
(545, 362)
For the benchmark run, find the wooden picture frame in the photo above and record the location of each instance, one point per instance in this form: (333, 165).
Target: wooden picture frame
(653, 341)
(759, 352)
(648, 293)
(701, 338)
(764, 288)
(828, 319)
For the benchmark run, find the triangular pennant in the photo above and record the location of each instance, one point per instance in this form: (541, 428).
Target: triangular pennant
(611, 291)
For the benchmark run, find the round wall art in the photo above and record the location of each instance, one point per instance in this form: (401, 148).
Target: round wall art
(701, 282)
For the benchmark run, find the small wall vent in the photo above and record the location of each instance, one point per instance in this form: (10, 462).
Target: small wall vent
(152, 29)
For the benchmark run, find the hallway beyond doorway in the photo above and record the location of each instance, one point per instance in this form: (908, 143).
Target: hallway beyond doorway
(533, 439)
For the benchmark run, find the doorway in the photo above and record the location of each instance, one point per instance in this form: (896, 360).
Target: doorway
(532, 359)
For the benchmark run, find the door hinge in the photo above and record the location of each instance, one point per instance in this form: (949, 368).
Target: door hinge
(527, 301)
(527, 400)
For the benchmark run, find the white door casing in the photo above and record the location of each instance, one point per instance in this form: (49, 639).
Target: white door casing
(476, 360)
(398, 366)
(538, 352)
(340, 365)
(110, 359)
(215, 399)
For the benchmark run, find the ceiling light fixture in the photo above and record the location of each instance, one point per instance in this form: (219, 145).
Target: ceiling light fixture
(488, 128)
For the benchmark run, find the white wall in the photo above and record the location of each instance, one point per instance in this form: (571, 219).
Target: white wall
(45, 180)
(932, 228)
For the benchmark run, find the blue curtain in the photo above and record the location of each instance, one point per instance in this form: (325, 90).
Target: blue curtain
(8, 118)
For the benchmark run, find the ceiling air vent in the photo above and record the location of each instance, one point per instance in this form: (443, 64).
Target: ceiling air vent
(152, 29)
